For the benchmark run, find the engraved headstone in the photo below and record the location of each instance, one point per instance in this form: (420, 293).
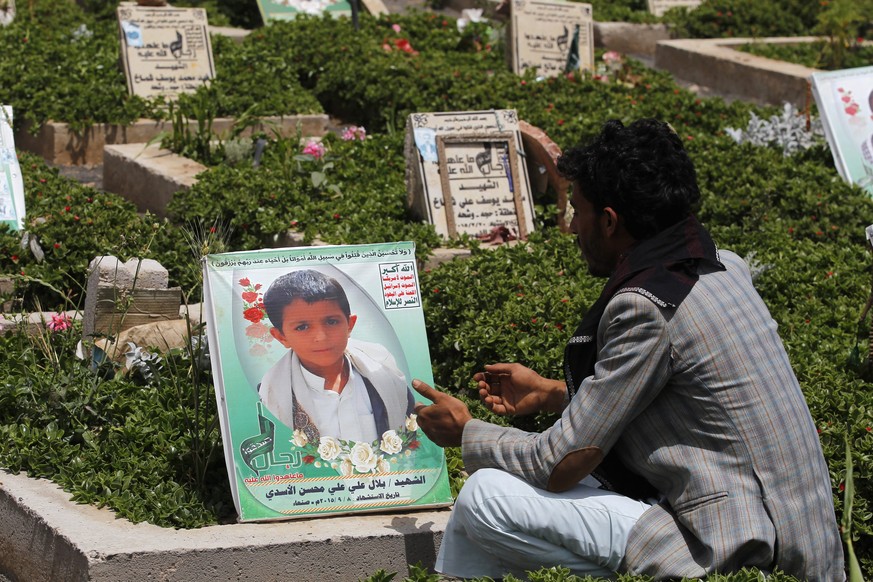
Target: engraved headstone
(659, 7)
(466, 172)
(11, 182)
(120, 296)
(166, 51)
(554, 36)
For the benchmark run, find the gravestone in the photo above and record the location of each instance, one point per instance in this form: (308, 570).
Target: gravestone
(465, 172)
(120, 296)
(553, 36)
(11, 181)
(165, 51)
(659, 7)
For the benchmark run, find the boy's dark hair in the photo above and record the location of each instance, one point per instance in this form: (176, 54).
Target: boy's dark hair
(306, 284)
(641, 171)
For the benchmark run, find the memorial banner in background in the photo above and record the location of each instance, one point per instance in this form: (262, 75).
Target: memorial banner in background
(165, 51)
(289, 9)
(845, 104)
(659, 7)
(314, 350)
(11, 182)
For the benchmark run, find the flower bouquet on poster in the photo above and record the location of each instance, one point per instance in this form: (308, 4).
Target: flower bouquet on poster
(314, 351)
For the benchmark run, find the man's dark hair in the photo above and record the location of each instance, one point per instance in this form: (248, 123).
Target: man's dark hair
(641, 171)
(306, 284)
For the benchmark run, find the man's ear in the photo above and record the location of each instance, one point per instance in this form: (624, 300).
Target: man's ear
(609, 220)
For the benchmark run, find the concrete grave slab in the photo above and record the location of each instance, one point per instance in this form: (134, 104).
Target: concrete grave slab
(46, 537)
(719, 66)
(58, 144)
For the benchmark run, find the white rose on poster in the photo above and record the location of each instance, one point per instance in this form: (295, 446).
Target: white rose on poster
(329, 448)
(363, 457)
(391, 442)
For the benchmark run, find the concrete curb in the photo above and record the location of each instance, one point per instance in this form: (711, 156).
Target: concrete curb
(44, 536)
(57, 144)
(717, 65)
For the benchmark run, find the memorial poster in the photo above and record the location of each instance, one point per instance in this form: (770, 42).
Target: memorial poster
(466, 172)
(11, 182)
(845, 104)
(659, 7)
(7, 12)
(553, 36)
(282, 325)
(165, 51)
(289, 9)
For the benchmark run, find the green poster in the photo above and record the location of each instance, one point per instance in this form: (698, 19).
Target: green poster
(313, 351)
(289, 9)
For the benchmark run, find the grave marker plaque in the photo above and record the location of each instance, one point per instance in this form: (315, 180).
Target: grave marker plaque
(464, 174)
(552, 35)
(11, 182)
(659, 7)
(166, 51)
(7, 12)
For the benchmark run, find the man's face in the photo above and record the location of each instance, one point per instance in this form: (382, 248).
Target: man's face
(318, 332)
(588, 227)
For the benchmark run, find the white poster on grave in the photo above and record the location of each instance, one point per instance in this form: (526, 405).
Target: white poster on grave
(466, 173)
(659, 7)
(845, 103)
(166, 51)
(11, 183)
(555, 36)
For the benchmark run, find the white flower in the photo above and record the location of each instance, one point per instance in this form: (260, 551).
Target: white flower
(299, 439)
(346, 467)
(412, 423)
(469, 15)
(329, 448)
(391, 443)
(383, 465)
(363, 457)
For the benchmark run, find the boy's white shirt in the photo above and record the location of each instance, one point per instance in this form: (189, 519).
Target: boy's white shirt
(369, 360)
(347, 415)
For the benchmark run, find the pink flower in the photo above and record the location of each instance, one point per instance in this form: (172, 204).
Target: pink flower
(610, 57)
(395, 27)
(354, 132)
(59, 322)
(314, 149)
(258, 331)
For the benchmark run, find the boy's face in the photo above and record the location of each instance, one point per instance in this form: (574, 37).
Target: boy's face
(318, 332)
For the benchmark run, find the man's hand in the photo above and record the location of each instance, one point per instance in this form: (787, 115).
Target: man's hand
(443, 421)
(513, 389)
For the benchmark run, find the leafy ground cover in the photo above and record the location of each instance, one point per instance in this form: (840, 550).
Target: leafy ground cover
(136, 445)
(812, 54)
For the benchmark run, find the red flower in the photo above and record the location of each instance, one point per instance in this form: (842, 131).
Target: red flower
(245, 282)
(253, 314)
(250, 296)
(308, 459)
(14, 258)
(414, 445)
(337, 216)
(436, 289)
(842, 487)
(66, 208)
(257, 286)
(57, 245)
